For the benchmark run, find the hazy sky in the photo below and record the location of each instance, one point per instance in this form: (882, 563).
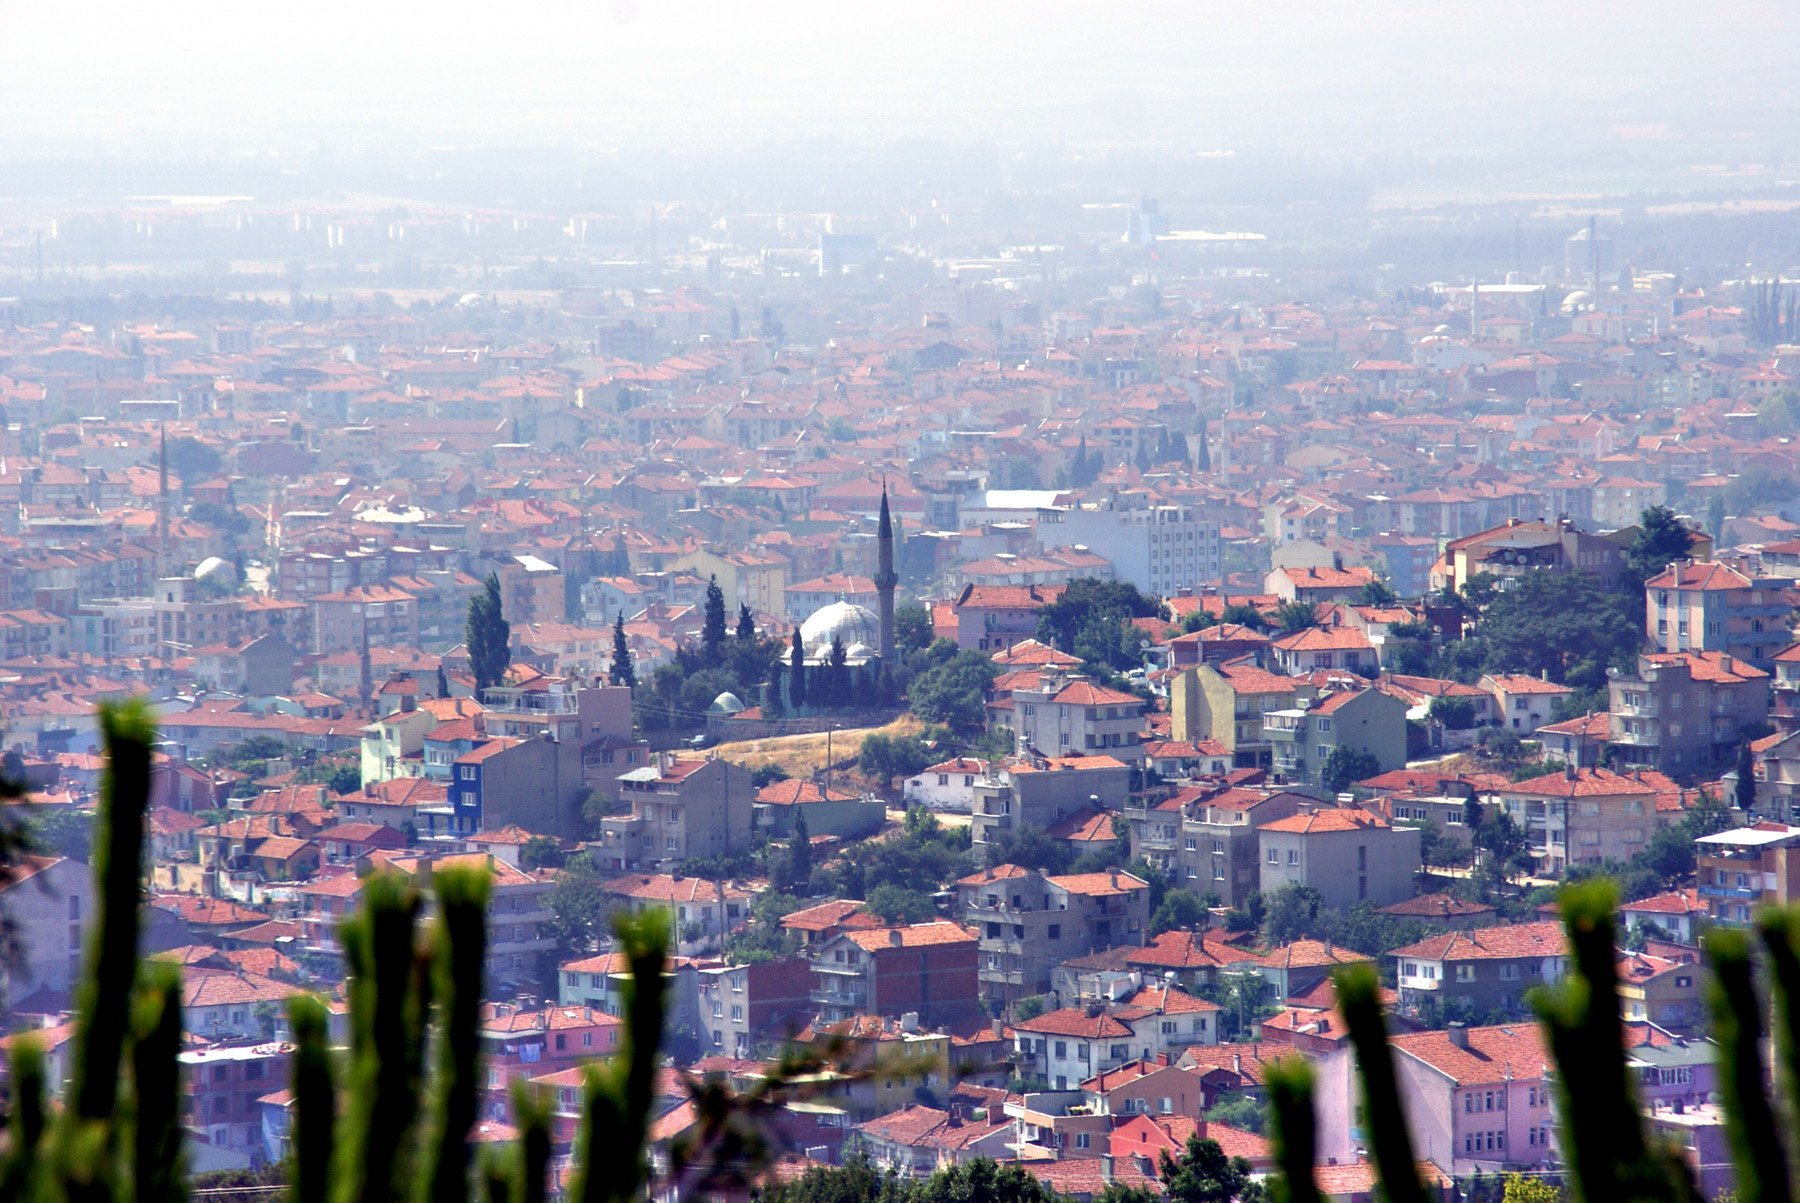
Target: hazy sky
(701, 74)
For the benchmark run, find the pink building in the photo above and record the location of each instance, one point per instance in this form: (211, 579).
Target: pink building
(1478, 1099)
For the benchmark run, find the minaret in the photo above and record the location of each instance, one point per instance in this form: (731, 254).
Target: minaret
(885, 579)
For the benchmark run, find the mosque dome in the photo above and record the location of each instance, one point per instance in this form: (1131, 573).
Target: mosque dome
(726, 703)
(849, 624)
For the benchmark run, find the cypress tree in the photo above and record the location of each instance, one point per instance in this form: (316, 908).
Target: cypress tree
(746, 624)
(797, 674)
(800, 866)
(837, 676)
(622, 672)
(712, 631)
(488, 635)
(1202, 457)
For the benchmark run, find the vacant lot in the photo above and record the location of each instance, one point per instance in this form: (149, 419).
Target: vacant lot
(803, 755)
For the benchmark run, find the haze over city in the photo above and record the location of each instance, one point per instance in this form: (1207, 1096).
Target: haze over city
(931, 603)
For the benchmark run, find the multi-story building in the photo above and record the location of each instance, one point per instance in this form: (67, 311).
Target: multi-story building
(371, 615)
(1158, 548)
(1685, 713)
(991, 618)
(1316, 648)
(1226, 703)
(1704, 607)
(1588, 816)
(1206, 840)
(221, 1087)
(681, 809)
(703, 910)
(1302, 739)
(1474, 973)
(1522, 702)
(1520, 547)
(743, 1008)
(1347, 855)
(1027, 922)
(1041, 791)
(925, 969)
(1479, 1100)
(1745, 869)
(1067, 715)
(1309, 584)
(1068, 1047)
(46, 903)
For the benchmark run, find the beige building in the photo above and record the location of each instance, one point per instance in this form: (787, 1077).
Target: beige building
(1703, 607)
(1347, 855)
(680, 809)
(1685, 713)
(746, 576)
(1226, 703)
(1587, 816)
(1067, 715)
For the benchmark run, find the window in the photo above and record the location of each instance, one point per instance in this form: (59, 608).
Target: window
(1081, 1140)
(1274, 857)
(1055, 932)
(1465, 973)
(1509, 972)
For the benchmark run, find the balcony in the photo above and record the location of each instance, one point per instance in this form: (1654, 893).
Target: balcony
(1730, 892)
(852, 1000)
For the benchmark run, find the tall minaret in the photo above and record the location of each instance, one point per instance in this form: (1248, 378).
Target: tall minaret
(162, 500)
(885, 579)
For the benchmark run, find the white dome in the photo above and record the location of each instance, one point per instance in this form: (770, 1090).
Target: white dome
(726, 703)
(849, 624)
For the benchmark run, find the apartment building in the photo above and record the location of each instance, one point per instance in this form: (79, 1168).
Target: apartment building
(1302, 739)
(703, 910)
(1206, 840)
(1317, 648)
(925, 969)
(1040, 791)
(1158, 548)
(744, 1008)
(1226, 703)
(1522, 702)
(1520, 547)
(47, 904)
(1347, 855)
(1028, 922)
(1474, 973)
(1587, 816)
(681, 808)
(220, 1091)
(1703, 607)
(1479, 1100)
(371, 615)
(1684, 713)
(1067, 715)
(1070, 1046)
(1742, 870)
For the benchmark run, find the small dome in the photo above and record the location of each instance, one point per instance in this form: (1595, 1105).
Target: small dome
(726, 703)
(858, 652)
(849, 624)
(1576, 300)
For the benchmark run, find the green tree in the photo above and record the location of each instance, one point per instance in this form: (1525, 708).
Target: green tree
(1031, 847)
(623, 672)
(1521, 1189)
(712, 626)
(62, 830)
(1292, 913)
(1244, 615)
(799, 855)
(1377, 593)
(578, 906)
(1346, 766)
(1715, 516)
(912, 629)
(541, 852)
(746, 624)
(1661, 539)
(488, 636)
(797, 675)
(954, 693)
(1294, 616)
(900, 904)
(1092, 619)
(1237, 1110)
(982, 1181)
(1181, 910)
(884, 758)
(1453, 713)
(1203, 1174)
(192, 460)
(1563, 625)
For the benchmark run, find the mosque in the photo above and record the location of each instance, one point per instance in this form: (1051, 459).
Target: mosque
(867, 635)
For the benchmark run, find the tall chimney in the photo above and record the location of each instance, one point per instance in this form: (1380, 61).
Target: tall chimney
(1459, 1035)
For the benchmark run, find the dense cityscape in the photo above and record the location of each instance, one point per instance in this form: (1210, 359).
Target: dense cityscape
(1028, 628)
